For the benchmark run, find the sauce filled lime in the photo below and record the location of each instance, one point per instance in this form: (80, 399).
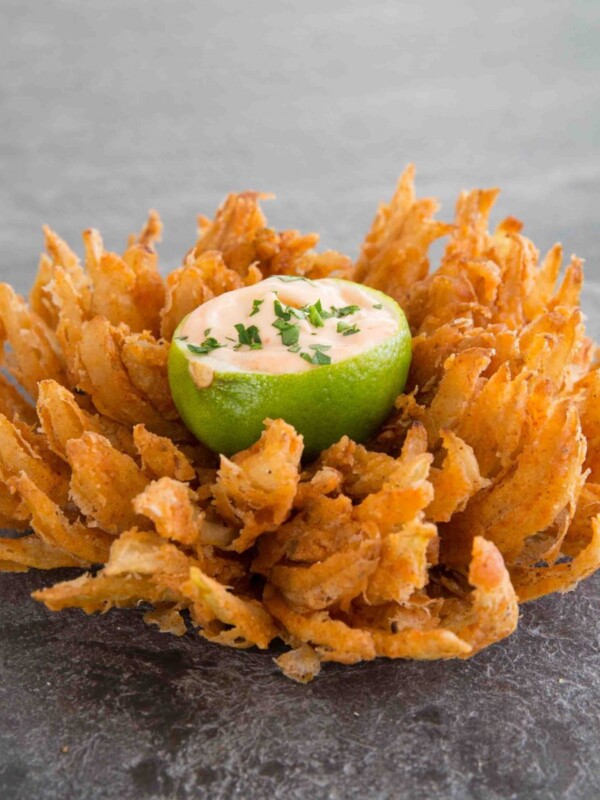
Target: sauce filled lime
(327, 356)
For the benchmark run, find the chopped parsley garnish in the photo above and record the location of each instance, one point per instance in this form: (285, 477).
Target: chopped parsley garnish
(315, 318)
(280, 311)
(205, 347)
(319, 347)
(377, 305)
(346, 329)
(295, 348)
(290, 335)
(256, 304)
(249, 335)
(322, 312)
(287, 312)
(288, 331)
(207, 331)
(182, 338)
(315, 314)
(345, 311)
(290, 278)
(318, 358)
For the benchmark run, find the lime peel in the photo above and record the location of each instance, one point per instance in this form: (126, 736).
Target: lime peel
(352, 396)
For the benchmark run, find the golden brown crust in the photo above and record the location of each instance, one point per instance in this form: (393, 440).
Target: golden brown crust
(484, 484)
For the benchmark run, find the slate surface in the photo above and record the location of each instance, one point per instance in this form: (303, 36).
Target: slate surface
(111, 107)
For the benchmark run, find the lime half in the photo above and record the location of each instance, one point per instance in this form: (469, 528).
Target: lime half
(326, 390)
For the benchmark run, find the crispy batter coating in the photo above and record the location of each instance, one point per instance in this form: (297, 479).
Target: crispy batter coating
(123, 387)
(394, 253)
(126, 288)
(171, 507)
(61, 418)
(19, 555)
(34, 353)
(104, 482)
(482, 489)
(161, 457)
(255, 489)
(190, 286)
(89, 545)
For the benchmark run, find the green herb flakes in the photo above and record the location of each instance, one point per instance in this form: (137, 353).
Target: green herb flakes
(205, 347)
(346, 329)
(280, 311)
(315, 315)
(287, 312)
(249, 335)
(289, 332)
(345, 311)
(318, 358)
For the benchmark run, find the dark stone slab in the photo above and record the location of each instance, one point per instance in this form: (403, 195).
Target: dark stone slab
(104, 707)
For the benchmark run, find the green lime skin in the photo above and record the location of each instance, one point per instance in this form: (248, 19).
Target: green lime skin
(351, 397)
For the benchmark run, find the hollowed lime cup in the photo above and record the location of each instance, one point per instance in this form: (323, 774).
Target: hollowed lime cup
(351, 397)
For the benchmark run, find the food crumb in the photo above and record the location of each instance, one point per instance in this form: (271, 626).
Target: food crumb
(64, 748)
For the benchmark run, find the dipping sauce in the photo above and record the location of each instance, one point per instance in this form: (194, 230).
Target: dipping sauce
(286, 324)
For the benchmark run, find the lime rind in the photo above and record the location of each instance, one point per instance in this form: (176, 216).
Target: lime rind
(352, 396)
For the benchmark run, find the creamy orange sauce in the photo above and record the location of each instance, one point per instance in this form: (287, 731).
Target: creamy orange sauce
(216, 319)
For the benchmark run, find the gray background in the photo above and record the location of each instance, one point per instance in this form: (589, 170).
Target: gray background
(109, 108)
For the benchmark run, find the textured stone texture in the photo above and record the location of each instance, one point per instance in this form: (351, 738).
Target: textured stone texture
(145, 715)
(111, 106)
